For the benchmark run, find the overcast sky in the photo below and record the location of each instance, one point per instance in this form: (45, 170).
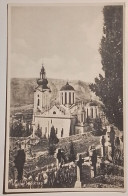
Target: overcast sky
(65, 38)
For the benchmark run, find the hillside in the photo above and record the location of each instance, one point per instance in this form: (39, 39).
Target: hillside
(22, 90)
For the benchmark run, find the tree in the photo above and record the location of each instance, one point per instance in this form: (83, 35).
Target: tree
(53, 138)
(19, 163)
(72, 155)
(109, 87)
(97, 127)
(38, 132)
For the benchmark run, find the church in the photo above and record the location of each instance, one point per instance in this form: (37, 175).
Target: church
(68, 117)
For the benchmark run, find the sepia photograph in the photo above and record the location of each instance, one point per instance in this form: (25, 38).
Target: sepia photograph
(65, 101)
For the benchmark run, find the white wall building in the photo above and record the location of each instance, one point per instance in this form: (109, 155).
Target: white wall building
(68, 117)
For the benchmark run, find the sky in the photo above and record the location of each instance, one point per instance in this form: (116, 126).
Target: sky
(66, 39)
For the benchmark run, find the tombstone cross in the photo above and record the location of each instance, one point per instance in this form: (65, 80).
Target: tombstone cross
(79, 162)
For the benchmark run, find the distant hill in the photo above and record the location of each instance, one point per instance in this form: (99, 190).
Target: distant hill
(22, 90)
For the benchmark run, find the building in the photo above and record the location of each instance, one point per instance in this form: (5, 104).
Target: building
(67, 117)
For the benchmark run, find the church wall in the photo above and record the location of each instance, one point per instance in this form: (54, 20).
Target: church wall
(58, 123)
(70, 99)
(37, 95)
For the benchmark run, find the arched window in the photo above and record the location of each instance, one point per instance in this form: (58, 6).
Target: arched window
(65, 97)
(87, 112)
(62, 98)
(73, 98)
(85, 116)
(38, 103)
(69, 97)
(62, 132)
(38, 95)
(82, 117)
(96, 112)
(54, 112)
(91, 112)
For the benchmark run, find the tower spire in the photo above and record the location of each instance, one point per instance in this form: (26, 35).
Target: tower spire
(42, 72)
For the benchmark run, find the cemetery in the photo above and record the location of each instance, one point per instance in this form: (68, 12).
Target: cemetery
(98, 164)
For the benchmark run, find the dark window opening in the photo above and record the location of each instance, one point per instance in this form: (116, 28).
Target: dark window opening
(92, 112)
(87, 112)
(54, 112)
(73, 98)
(69, 97)
(62, 132)
(38, 102)
(62, 98)
(96, 112)
(65, 98)
(81, 117)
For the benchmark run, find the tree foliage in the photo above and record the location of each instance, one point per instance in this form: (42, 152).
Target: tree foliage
(53, 138)
(17, 130)
(109, 87)
(72, 155)
(38, 132)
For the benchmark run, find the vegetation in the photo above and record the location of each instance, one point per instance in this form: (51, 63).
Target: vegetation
(53, 140)
(22, 91)
(38, 132)
(97, 123)
(18, 130)
(72, 155)
(109, 87)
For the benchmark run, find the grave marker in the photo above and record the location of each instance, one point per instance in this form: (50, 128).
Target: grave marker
(79, 162)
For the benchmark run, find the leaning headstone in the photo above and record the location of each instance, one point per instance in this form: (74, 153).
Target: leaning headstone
(79, 171)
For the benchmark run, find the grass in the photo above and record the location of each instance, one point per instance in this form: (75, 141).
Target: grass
(81, 145)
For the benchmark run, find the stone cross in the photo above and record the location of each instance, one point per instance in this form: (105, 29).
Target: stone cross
(79, 162)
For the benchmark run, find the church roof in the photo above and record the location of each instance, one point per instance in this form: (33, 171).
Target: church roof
(67, 87)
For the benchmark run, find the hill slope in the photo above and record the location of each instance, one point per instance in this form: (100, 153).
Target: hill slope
(22, 90)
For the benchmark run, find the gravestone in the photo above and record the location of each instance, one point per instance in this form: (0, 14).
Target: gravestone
(58, 158)
(110, 142)
(93, 161)
(102, 142)
(79, 163)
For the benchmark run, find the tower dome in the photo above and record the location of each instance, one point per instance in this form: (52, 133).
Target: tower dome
(67, 95)
(42, 81)
(67, 87)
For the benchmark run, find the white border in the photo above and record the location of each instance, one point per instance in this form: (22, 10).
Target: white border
(3, 59)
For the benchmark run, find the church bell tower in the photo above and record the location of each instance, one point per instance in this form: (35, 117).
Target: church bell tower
(42, 93)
